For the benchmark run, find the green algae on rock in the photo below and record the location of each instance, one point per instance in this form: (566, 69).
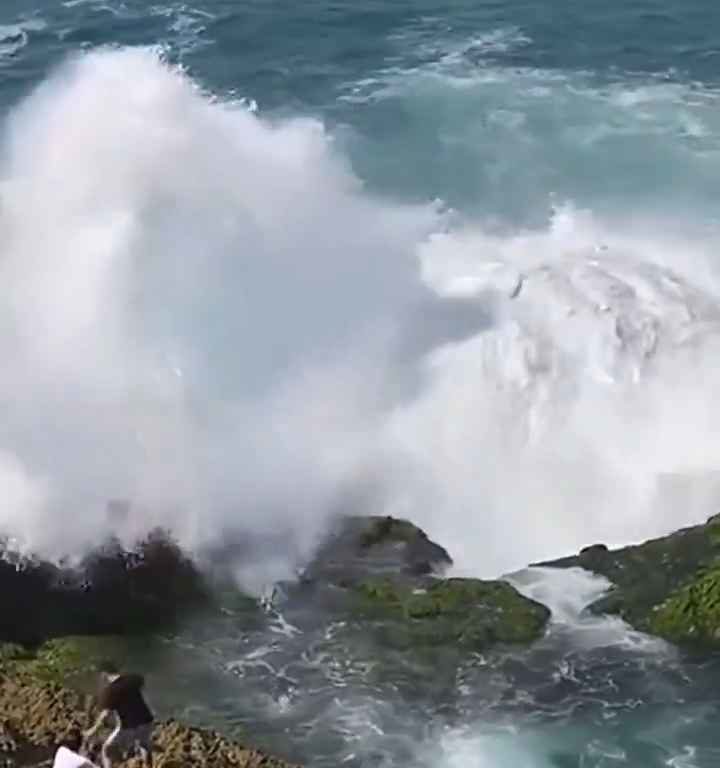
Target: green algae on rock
(669, 586)
(386, 573)
(64, 659)
(467, 613)
(691, 615)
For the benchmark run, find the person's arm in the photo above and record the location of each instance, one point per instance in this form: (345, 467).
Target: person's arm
(98, 724)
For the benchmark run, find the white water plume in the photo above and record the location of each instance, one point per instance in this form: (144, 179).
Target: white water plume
(580, 415)
(189, 296)
(204, 312)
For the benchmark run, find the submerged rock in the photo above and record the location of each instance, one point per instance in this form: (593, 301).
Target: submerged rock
(669, 586)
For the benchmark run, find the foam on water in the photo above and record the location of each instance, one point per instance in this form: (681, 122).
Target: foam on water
(568, 593)
(506, 138)
(493, 749)
(14, 37)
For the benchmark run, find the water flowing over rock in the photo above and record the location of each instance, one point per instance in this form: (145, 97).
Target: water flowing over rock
(668, 586)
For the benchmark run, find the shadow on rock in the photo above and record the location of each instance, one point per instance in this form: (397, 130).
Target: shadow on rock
(113, 591)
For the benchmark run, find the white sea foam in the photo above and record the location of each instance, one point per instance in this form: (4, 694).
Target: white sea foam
(568, 593)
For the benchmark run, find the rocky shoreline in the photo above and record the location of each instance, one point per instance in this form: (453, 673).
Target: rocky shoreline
(380, 571)
(668, 587)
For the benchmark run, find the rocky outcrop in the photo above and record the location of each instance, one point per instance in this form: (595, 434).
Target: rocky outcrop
(388, 573)
(112, 591)
(380, 573)
(467, 614)
(359, 547)
(361, 563)
(668, 586)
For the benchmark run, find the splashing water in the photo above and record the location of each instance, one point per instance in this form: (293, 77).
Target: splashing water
(192, 330)
(227, 299)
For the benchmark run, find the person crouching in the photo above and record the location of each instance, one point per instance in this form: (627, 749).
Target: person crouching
(122, 696)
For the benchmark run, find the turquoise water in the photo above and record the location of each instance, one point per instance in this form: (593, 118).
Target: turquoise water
(491, 107)
(263, 262)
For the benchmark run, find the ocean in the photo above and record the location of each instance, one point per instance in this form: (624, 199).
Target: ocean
(267, 262)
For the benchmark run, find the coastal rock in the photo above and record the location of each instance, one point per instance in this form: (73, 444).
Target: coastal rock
(691, 614)
(669, 586)
(361, 547)
(468, 614)
(387, 574)
(379, 574)
(113, 591)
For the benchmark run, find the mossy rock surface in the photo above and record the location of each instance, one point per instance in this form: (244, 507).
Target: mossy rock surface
(465, 613)
(11, 652)
(386, 574)
(65, 658)
(669, 586)
(691, 615)
(72, 661)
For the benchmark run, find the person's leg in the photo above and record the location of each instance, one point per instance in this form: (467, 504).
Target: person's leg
(112, 742)
(144, 742)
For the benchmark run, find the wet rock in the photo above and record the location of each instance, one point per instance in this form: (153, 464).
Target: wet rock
(112, 591)
(387, 574)
(691, 614)
(669, 586)
(467, 614)
(594, 557)
(362, 547)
